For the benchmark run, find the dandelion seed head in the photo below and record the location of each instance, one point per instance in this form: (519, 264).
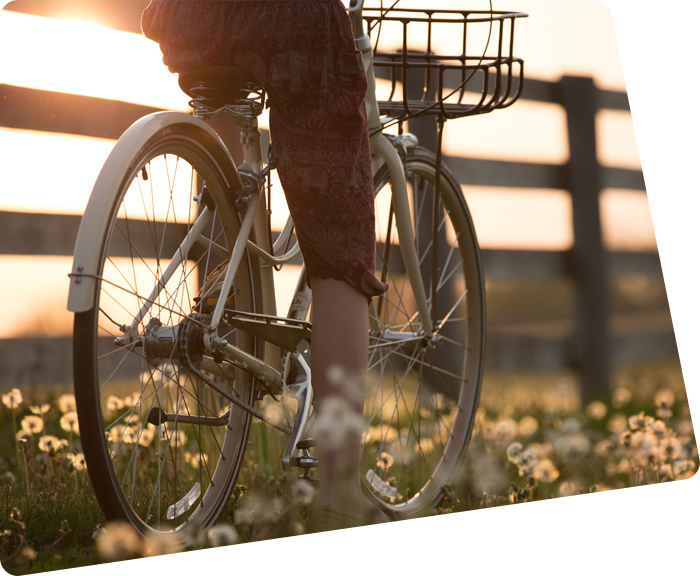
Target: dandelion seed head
(12, 399)
(114, 403)
(66, 403)
(505, 429)
(603, 448)
(568, 488)
(385, 460)
(32, 424)
(596, 410)
(640, 421)
(117, 540)
(338, 422)
(617, 423)
(40, 409)
(620, 397)
(69, 422)
(424, 446)
(160, 544)
(222, 535)
(77, 460)
(302, 492)
(545, 471)
(259, 511)
(570, 426)
(664, 398)
(574, 445)
(50, 444)
(528, 425)
(513, 451)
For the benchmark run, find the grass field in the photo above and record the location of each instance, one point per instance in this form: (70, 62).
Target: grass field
(532, 441)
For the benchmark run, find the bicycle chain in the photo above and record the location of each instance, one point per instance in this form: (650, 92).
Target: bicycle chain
(252, 411)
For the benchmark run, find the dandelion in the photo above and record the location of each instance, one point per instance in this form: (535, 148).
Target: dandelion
(640, 421)
(302, 492)
(50, 444)
(527, 461)
(66, 403)
(12, 399)
(617, 423)
(596, 410)
(513, 451)
(411, 549)
(682, 466)
(338, 422)
(222, 535)
(260, 510)
(195, 460)
(297, 528)
(130, 435)
(40, 410)
(115, 433)
(570, 497)
(114, 403)
(544, 471)
(69, 422)
(572, 445)
(528, 425)
(608, 499)
(77, 460)
(32, 424)
(663, 413)
(385, 460)
(603, 448)
(424, 446)
(664, 398)
(570, 426)
(505, 429)
(146, 437)
(672, 448)
(658, 428)
(160, 544)
(665, 472)
(117, 540)
(620, 397)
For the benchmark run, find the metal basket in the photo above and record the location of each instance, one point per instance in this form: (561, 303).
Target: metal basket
(449, 86)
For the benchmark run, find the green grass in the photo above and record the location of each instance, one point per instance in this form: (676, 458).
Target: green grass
(507, 529)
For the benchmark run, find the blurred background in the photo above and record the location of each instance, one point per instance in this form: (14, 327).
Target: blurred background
(575, 293)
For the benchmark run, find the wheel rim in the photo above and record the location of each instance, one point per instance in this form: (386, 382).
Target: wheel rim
(420, 400)
(182, 471)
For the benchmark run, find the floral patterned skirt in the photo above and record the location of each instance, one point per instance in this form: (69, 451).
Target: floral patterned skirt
(303, 53)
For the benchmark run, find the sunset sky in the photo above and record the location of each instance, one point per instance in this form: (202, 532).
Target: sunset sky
(565, 37)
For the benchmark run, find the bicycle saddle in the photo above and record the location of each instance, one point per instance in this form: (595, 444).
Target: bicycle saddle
(224, 84)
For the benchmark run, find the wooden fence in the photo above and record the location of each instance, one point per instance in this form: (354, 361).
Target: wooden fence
(590, 349)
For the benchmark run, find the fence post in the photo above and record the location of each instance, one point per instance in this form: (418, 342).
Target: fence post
(588, 257)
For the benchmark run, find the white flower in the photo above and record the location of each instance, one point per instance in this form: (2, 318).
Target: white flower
(411, 549)
(222, 535)
(302, 492)
(69, 422)
(259, 510)
(117, 539)
(596, 410)
(50, 444)
(545, 472)
(66, 403)
(337, 422)
(12, 399)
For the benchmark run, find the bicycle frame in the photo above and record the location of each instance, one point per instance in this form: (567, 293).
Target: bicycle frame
(294, 334)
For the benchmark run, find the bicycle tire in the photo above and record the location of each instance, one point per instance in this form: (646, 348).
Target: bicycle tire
(421, 401)
(180, 473)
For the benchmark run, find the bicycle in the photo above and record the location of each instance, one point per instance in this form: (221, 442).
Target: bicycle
(176, 335)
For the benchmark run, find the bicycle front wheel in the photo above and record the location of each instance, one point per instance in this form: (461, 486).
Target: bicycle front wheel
(163, 448)
(422, 392)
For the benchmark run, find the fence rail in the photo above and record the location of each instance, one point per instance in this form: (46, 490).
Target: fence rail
(590, 349)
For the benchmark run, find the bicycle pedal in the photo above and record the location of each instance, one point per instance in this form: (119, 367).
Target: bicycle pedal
(304, 462)
(311, 480)
(306, 444)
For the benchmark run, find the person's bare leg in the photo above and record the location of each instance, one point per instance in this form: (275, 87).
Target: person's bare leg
(340, 338)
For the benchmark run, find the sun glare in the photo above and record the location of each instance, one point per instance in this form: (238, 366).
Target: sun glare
(85, 58)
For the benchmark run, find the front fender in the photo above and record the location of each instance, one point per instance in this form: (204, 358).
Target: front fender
(99, 211)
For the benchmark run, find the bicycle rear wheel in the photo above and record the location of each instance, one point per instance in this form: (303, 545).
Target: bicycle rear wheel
(422, 395)
(163, 449)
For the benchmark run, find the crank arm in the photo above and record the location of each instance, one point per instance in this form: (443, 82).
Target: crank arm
(304, 397)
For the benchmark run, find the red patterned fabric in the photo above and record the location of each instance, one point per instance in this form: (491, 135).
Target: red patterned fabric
(303, 53)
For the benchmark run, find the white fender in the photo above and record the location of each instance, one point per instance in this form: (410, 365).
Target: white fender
(96, 220)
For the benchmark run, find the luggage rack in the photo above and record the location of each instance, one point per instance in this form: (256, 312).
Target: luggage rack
(424, 82)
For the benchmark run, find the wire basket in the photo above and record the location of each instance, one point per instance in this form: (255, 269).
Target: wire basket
(422, 80)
